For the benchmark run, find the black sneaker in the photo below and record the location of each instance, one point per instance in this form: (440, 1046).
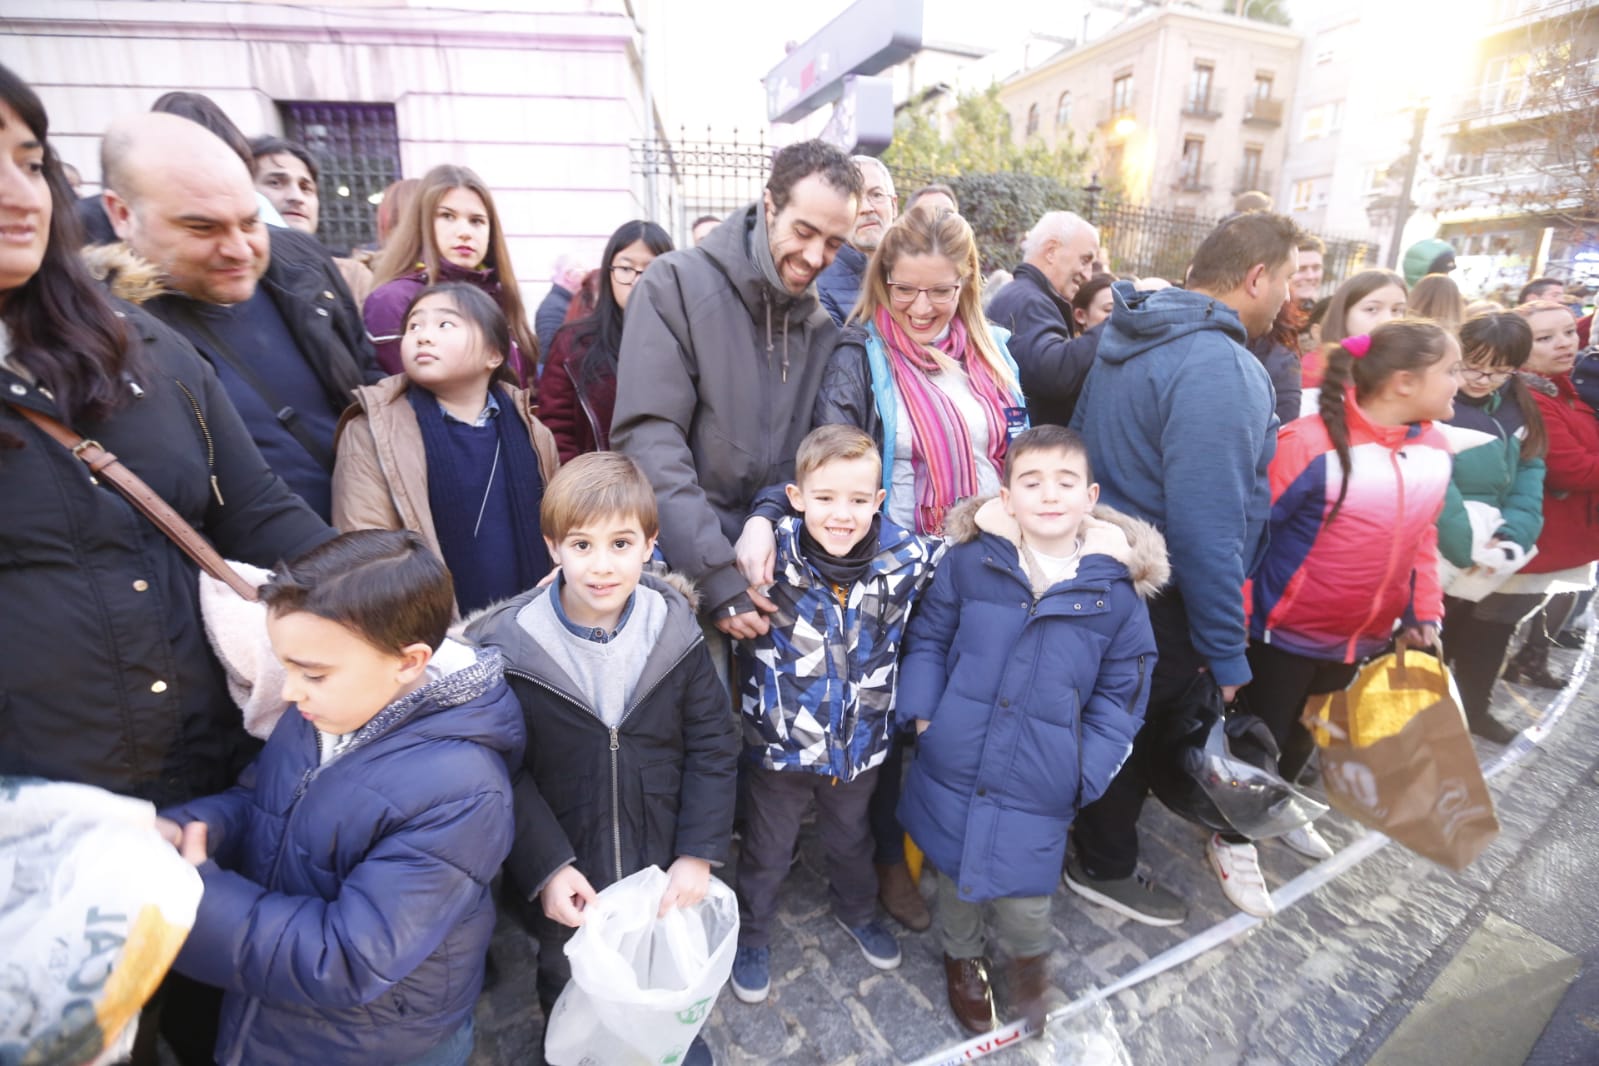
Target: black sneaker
(1135, 897)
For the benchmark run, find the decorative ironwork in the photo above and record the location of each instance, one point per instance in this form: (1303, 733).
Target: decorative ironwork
(357, 148)
(709, 176)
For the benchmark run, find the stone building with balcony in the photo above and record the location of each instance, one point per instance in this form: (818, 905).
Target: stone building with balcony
(1184, 108)
(1516, 177)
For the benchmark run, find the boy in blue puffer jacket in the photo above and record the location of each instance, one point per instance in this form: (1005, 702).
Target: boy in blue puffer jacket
(1030, 713)
(818, 693)
(347, 911)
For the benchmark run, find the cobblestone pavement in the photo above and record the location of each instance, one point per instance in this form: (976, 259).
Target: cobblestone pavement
(1326, 981)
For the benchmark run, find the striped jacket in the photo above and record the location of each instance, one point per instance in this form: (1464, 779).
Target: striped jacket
(817, 691)
(1335, 590)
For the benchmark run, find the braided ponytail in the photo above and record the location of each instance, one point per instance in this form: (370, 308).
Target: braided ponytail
(1330, 405)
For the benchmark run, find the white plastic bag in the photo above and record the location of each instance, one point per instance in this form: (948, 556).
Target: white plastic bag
(94, 905)
(642, 986)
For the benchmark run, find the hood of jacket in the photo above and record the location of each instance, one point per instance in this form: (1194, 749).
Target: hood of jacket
(742, 253)
(128, 275)
(497, 625)
(469, 675)
(1142, 321)
(1131, 541)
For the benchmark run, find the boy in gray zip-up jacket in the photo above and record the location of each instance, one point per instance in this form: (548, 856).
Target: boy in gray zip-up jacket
(632, 753)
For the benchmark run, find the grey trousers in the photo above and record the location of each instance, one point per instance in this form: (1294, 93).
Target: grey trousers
(1022, 923)
(778, 800)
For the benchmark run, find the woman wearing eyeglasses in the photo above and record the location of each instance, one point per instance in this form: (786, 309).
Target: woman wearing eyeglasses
(1494, 509)
(922, 371)
(577, 389)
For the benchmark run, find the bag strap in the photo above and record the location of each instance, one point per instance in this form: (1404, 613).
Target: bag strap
(287, 416)
(103, 463)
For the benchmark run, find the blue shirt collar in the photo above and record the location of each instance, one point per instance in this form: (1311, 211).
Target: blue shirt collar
(594, 633)
(491, 409)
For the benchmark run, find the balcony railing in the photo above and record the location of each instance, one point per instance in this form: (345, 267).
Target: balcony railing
(1250, 179)
(1203, 105)
(1263, 111)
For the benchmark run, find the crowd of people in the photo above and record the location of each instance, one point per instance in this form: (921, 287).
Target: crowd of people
(807, 517)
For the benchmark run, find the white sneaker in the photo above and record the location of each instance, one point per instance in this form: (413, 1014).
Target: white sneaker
(1238, 868)
(1308, 842)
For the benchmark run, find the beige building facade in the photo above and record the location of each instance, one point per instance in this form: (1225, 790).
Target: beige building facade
(1182, 108)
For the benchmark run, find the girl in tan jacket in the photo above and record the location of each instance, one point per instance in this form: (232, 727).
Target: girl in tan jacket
(451, 449)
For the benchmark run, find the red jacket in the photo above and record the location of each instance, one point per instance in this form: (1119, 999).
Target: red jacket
(1335, 590)
(1571, 478)
(578, 412)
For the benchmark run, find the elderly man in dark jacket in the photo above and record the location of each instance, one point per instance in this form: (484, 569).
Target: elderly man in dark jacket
(839, 286)
(1058, 255)
(721, 358)
(267, 308)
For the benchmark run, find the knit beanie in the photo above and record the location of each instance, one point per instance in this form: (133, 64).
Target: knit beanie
(1432, 256)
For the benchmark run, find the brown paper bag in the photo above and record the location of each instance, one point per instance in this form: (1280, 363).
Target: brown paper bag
(1396, 756)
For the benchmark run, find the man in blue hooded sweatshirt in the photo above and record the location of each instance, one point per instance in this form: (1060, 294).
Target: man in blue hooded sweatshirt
(1178, 416)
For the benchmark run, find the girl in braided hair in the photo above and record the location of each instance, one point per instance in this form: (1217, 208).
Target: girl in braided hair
(1353, 557)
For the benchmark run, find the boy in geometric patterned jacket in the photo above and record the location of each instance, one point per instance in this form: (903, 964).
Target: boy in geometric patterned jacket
(817, 693)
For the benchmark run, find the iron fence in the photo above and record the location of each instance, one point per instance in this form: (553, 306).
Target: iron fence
(712, 175)
(701, 175)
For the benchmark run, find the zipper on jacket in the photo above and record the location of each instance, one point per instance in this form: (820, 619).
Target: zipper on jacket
(616, 805)
(616, 740)
(1388, 566)
(210, 445)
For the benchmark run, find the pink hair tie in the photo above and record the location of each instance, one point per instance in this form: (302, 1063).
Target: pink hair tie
(1358, 345)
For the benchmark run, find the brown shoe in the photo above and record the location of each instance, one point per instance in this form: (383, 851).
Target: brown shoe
(1029, 987)
(970, 996)
(901, 898)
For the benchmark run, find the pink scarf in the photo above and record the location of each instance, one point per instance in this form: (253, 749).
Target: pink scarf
(941, 443)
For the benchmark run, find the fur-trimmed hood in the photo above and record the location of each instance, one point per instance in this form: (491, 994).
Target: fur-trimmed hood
(129, 276)
(1130, 541)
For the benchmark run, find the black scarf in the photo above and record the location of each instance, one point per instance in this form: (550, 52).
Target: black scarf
(480, 580)
(843, 572)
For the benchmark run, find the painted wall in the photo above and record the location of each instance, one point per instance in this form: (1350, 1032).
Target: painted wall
(541, 103)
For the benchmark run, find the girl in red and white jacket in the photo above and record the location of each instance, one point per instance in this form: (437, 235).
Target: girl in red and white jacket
(1569, 543)
(1356, 492)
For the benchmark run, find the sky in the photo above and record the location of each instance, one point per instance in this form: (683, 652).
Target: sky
(710, 55)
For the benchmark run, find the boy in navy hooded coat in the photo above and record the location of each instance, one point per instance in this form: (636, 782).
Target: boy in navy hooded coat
(1027, 670)
(347, 911)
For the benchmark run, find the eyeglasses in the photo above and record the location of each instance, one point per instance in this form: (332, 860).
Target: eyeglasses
(626, 275)
(1484, 377)
(938, 295)
(879, 197)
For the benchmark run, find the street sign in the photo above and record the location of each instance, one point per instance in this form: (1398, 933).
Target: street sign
(867, 38)
(862, 122)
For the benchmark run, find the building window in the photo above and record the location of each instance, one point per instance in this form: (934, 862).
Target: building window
(1314, 126)
(1199, 86)
(1032, 120)
(1264, 82)
(1113, 161)
(1302, 191)
(1121, 95)
(1063, 110)
(1193, 162)
(1249, 169)
(357, 149)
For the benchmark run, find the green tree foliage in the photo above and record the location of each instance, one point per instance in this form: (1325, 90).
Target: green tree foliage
(1003, 184)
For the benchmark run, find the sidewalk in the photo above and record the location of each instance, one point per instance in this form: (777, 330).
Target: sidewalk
(1331, 980)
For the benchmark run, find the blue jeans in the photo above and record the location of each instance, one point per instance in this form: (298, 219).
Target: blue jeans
(453, 1051)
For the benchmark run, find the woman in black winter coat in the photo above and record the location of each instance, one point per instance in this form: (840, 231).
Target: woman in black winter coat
(107, 678)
